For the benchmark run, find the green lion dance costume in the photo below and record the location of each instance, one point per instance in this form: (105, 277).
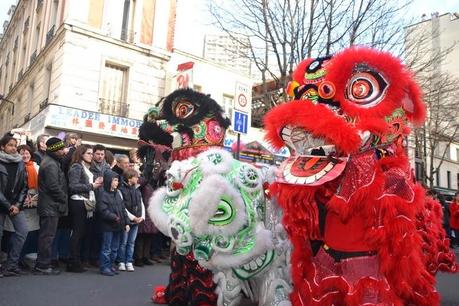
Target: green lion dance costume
(216, 212)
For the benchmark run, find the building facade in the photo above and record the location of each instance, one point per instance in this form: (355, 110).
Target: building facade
(91, 66)
(432, 48)
(228, 51)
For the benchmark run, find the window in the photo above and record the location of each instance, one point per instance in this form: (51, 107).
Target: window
(419, 171)
(127, 27)
(24, 56)
(113, 90)
(48, 75)
(13, 68)
(228, 101)
(36, 39)
(5, 84)
(448, 179)
(54, 7)
(30, 97)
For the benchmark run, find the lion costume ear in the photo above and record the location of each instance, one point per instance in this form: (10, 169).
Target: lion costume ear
(412, 103)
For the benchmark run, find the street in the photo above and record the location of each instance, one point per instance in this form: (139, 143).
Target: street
(128, 288)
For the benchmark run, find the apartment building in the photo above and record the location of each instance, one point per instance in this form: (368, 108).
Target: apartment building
(432, 51)
(90, 66)
(232, 52)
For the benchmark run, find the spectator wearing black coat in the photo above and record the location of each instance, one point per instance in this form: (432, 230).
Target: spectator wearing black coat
(13, 190)
(82, 202)
(114, 220)
(52, 202)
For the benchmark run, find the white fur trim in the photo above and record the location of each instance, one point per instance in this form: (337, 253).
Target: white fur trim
(208, 167)
(204, 204)
(156, 212)
(263, 243)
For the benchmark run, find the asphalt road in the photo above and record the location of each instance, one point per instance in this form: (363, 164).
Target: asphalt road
(128, 288)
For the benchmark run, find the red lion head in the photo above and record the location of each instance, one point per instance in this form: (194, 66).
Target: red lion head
(355, 100)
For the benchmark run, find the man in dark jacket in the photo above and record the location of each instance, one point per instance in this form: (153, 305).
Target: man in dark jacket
(99, 165)
(52, 202)
(13, 189)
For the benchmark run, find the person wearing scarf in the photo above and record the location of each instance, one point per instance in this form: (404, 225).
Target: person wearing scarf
(30, 202)
(13, 189)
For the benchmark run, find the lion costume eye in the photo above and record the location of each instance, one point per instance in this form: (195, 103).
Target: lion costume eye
(183, 109)
(366, 88)
(225, 213)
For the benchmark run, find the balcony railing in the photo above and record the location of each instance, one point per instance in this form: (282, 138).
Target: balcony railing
(50, 34)
(115, 108)
(33, 57)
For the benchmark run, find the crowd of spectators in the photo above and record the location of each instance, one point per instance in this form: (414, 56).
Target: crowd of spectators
(73, 205)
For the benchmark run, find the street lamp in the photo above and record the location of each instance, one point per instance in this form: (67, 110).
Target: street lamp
(2, 98)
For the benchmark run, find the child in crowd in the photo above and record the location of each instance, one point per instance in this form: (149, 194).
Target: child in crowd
(114, 221)
(136, 214)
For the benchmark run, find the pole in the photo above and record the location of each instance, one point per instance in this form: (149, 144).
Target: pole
(238, 145)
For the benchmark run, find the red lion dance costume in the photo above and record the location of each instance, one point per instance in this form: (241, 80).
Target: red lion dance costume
(363, 231)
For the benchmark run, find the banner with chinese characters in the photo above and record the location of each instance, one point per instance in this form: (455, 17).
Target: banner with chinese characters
(91, 122)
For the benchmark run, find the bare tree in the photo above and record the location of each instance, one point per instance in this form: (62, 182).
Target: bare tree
(426, 57)
(280, 33)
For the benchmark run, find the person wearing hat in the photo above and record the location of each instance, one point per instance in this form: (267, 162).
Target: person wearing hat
(52, 203)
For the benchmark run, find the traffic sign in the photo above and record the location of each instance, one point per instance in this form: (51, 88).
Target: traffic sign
(243, 98)
(240, 122)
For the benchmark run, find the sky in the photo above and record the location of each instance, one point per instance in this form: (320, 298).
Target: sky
(418, 8)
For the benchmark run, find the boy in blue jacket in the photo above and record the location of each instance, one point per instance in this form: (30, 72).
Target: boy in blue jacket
(114, 221)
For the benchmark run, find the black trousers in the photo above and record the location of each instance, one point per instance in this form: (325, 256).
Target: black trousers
(48, 228)
(142, 246)
(92, 240)
(77, 212)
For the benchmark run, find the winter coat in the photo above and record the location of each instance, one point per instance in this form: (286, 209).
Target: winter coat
(147, 227)
(78, 181)
(110, 206)
(19, 187)
(454, 215)
(52, 188)
(132, 199)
